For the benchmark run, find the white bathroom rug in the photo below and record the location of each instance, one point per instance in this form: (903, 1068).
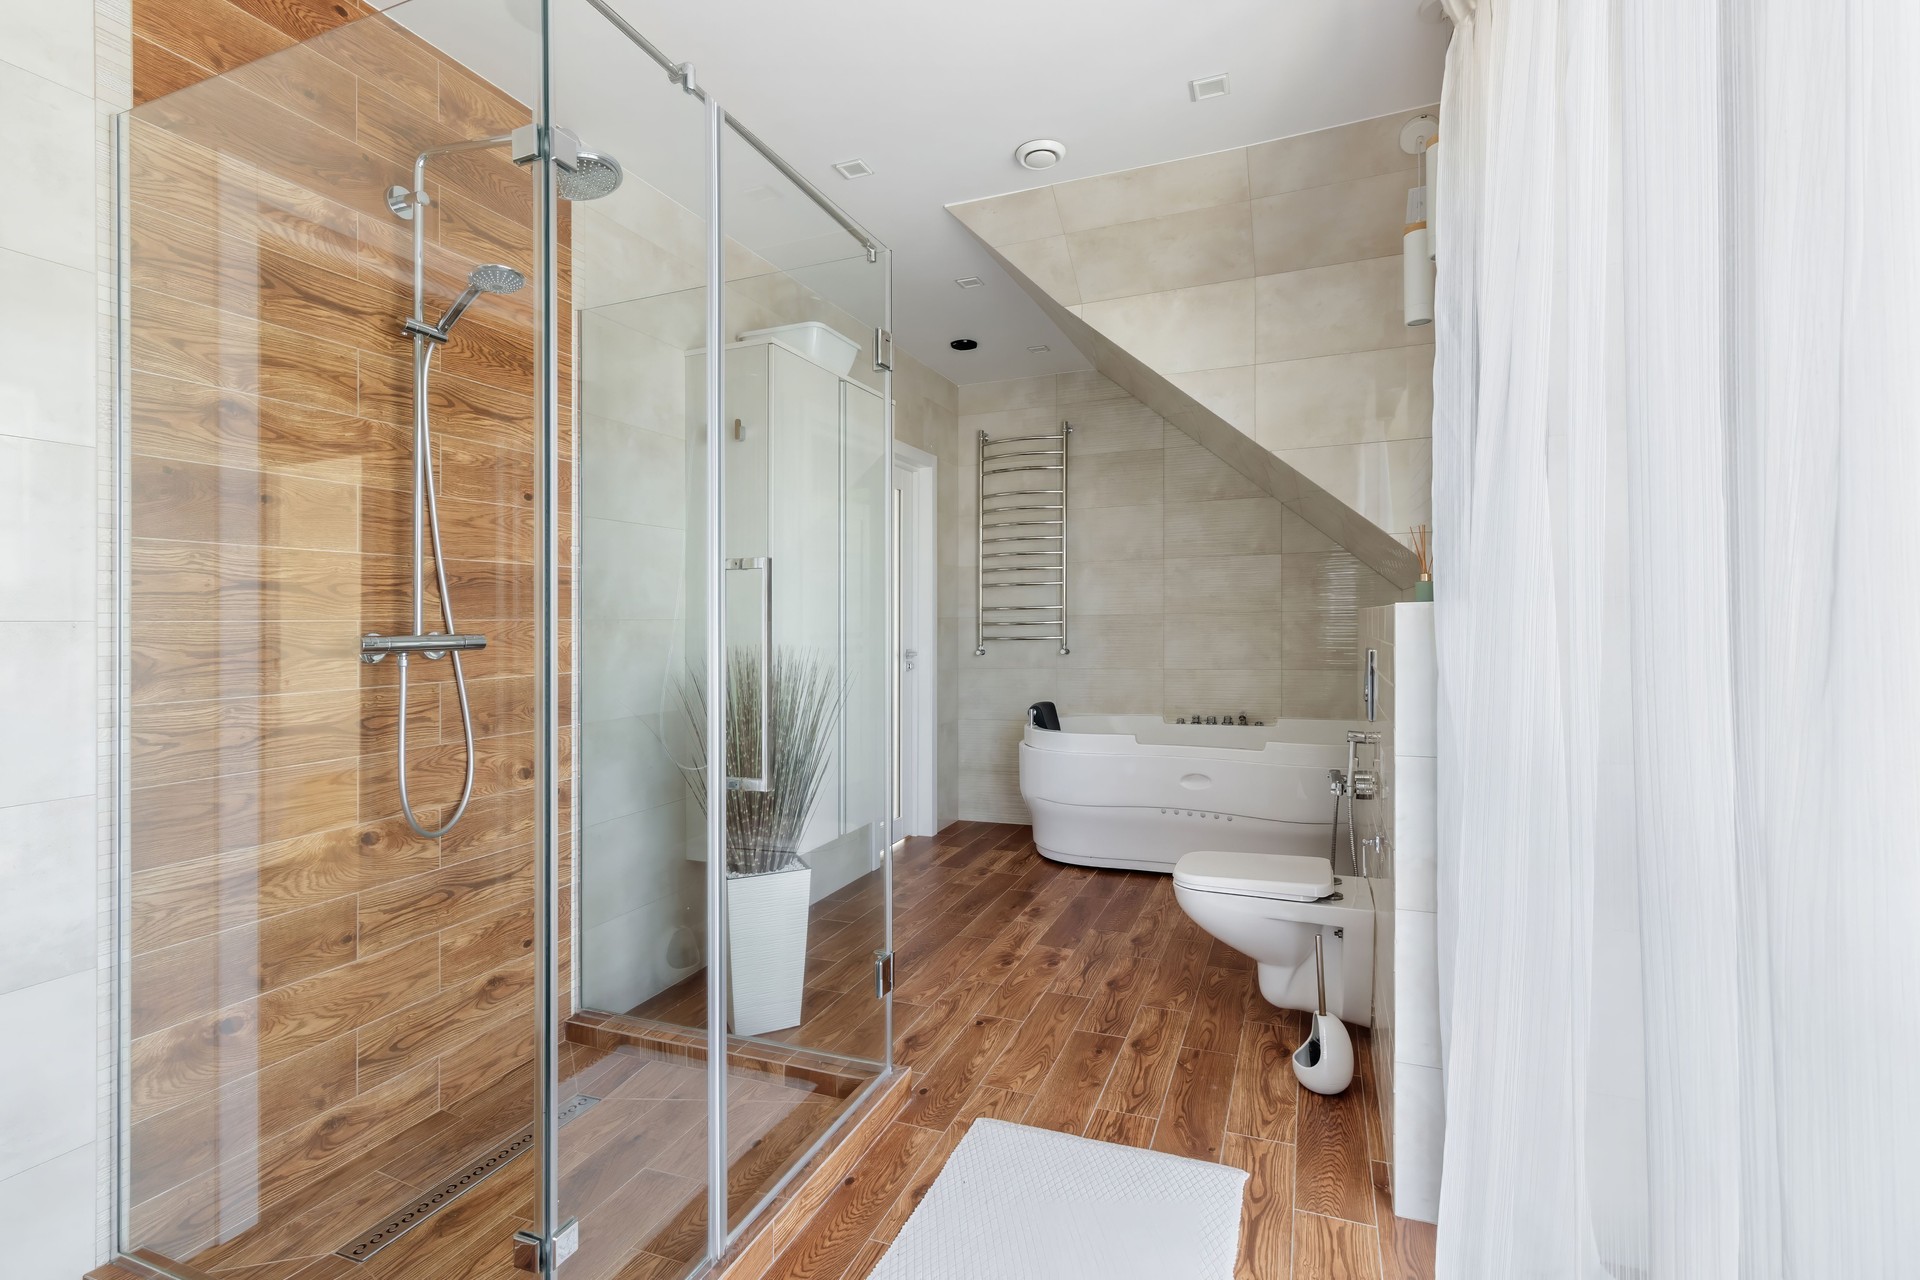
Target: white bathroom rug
(1017, 1203)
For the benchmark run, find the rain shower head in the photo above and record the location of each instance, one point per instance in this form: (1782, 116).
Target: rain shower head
(594, 174)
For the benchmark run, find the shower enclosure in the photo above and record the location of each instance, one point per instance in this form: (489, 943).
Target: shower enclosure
(562, 935)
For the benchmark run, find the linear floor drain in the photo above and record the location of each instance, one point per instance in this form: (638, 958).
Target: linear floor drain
(573, 1108)
(365, 1246)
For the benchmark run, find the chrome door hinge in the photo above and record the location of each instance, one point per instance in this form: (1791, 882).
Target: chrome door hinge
(530, 1251)
(882, 974)
(882, 351)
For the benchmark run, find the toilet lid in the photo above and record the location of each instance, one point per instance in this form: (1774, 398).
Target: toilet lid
(1256, 875)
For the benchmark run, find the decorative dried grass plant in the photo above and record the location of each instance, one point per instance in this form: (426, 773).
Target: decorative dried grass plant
(764, 828)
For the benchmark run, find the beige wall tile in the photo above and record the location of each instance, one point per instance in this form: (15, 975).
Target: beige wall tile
(1116, 586)
(1332, 580)
(1353, 471)
(1340, 222)
(1410, 468)
(1154, 255)
(1224, 642)
(1240, 526)
(1389, 482)
(1207, 327)
(1015, 393)
(1222, 584)
(1348, 398)
(1128, 479)
(1197, 182)
(1031, 420)
(1114, 426)
(1340, 154)
(1115, 533)
(1195, 474)
(651, 215)
(1098, 641)
(1297, 536)
(1318, 639)
(1086, 385)
(1354, 306)
(1010, 219)
(1256, 694)
(1005, 694)
(1319, 695)
(1226, 392)
(1048, 264)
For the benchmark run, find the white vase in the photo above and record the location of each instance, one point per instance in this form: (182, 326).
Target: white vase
(767, 949)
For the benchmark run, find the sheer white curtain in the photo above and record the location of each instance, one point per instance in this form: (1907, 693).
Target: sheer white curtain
(1676, 466)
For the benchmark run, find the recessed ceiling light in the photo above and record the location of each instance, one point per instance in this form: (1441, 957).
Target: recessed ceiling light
(1041, 153)
(969, 282)
(1038, 349)
(1209, 87)
(963, 344)
(853, 169)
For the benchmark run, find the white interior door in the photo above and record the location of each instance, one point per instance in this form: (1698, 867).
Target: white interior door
(915, 665)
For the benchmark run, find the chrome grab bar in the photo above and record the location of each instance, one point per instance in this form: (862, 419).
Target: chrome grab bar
(374, 647)
(764, 566)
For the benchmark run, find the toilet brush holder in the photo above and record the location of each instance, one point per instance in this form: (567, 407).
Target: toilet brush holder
(1324, 1063)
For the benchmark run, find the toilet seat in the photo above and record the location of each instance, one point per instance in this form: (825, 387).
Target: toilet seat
(1283, 876)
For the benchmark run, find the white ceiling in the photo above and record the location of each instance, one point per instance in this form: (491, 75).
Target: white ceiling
(936, 96)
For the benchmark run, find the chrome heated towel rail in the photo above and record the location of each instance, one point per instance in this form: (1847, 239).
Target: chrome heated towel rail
(1021, 546)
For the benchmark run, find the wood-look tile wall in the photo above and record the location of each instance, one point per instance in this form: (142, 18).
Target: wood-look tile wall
(308, 976)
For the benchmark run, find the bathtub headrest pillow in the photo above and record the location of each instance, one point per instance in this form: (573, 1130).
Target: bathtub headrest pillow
(1042, 715)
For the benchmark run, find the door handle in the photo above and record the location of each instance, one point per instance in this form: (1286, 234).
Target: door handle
(763, 565)
(910, 655)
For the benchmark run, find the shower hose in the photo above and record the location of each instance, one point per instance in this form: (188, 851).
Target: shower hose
(423, 499)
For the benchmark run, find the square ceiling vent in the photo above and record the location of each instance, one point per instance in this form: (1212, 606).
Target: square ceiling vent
(853, 168)
(970, 282)
(1209, 87)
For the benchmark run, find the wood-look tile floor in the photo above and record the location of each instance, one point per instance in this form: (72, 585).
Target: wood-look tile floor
(633, 1169)
(1086, 1001)
(1060, 996)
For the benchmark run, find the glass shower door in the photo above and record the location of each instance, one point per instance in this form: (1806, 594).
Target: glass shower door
(806, 458)
(731, 777)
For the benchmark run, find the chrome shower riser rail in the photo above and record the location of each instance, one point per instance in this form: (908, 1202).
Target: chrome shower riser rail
(1036, 553)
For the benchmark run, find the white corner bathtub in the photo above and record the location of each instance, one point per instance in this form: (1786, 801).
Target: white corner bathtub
(1137, 792)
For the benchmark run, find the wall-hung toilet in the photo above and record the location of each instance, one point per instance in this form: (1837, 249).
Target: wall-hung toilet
(1268, 907)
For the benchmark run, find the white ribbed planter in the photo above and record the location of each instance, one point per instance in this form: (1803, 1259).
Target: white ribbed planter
(767, 949)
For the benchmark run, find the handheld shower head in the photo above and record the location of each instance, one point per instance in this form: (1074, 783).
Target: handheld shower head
(488, 277)
(491, 277)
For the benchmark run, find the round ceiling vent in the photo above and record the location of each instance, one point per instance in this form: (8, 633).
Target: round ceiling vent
(1041, 153)
(963, 344)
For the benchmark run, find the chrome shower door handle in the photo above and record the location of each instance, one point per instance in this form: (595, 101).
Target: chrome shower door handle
(763, 565)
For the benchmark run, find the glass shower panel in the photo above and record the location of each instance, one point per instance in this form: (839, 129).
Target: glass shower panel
(326, 990)
(633, 1163)
(806, 458)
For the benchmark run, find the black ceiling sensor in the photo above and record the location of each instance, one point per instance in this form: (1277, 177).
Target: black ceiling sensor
(963, 344)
